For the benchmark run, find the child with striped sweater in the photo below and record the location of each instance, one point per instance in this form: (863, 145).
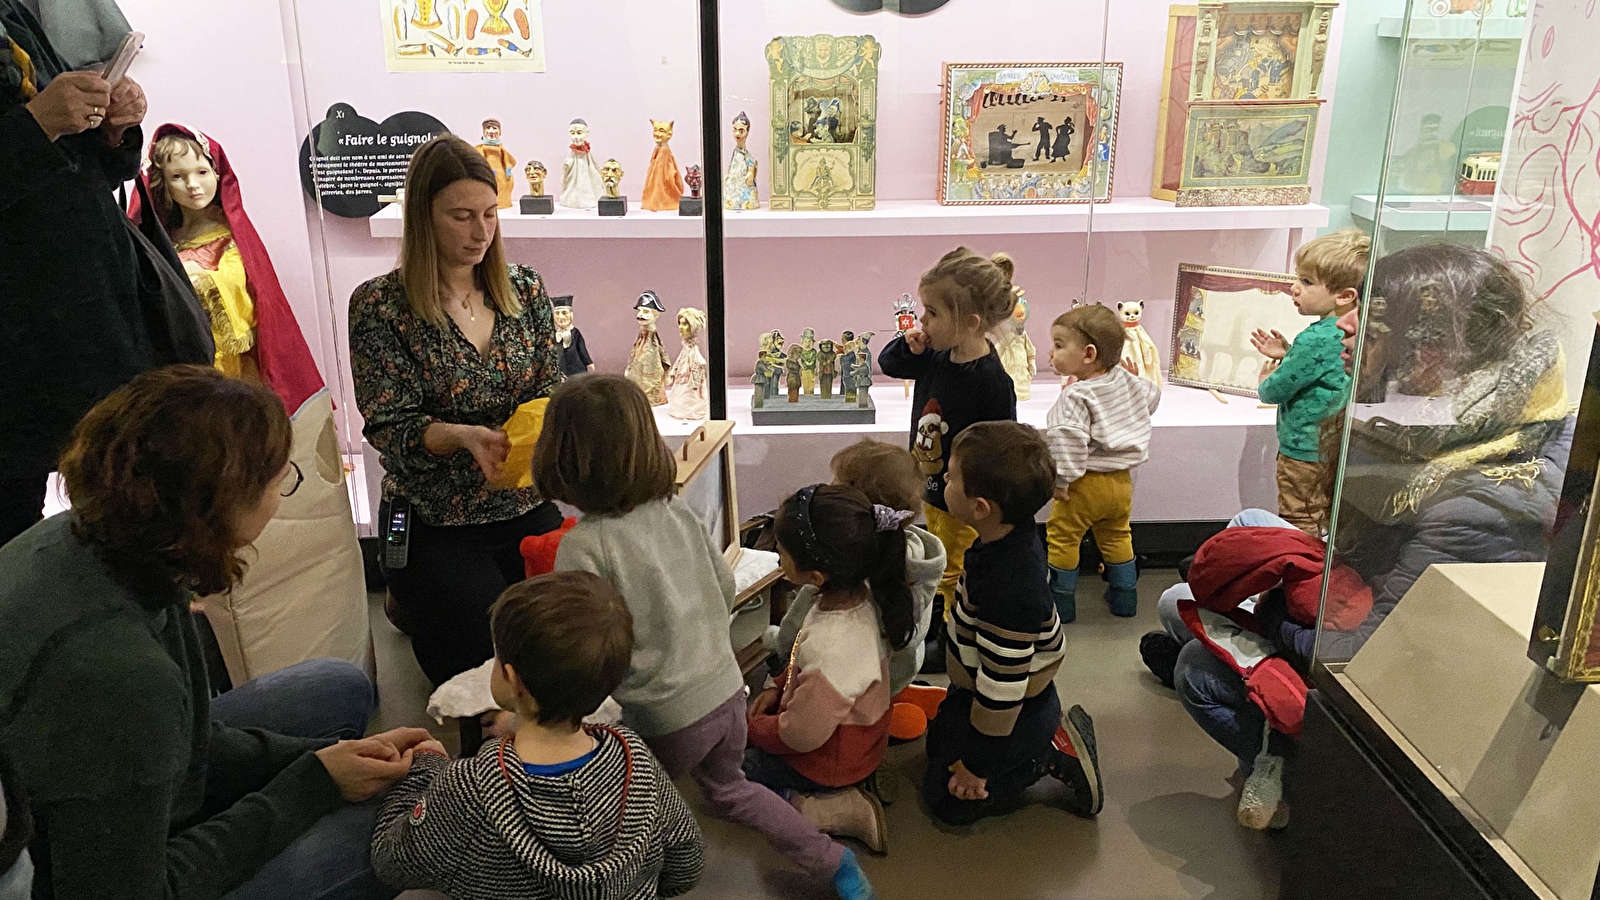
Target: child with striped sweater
(1098, 430)
(1000, 729)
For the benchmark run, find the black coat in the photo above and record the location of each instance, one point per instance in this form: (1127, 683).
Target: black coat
(71, 330)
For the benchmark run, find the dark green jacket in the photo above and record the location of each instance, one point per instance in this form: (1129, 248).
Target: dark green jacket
(136, 794)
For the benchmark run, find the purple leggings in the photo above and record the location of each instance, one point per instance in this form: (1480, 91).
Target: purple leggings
(712, 750)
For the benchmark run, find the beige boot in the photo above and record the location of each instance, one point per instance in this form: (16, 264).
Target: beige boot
(851, 813)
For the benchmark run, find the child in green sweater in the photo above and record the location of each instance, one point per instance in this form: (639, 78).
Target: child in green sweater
(1306, 379)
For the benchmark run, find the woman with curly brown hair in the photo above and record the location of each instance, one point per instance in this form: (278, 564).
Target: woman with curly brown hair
(139, 785)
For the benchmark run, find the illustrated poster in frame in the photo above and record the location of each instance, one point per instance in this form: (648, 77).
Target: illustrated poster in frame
(1242, 51)
(1029, 132)
(463, 35)
(1217, 309)
(1248, 154)
(1566, 625)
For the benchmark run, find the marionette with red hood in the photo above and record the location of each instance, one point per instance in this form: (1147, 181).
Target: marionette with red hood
(304, 596)
(194, 192)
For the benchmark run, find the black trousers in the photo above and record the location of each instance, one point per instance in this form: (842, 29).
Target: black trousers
(21, 503)
(453, 574)
(1026, 752)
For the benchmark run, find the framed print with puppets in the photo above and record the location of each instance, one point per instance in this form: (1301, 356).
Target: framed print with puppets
(1029, 132)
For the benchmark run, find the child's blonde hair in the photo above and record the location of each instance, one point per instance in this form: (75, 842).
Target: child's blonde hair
(974, 286)
(1337, 261)
(886, 473)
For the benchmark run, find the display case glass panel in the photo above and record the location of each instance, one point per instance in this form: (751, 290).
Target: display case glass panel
(1462, 462)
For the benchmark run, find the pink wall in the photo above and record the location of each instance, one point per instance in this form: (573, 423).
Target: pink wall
(258, 92)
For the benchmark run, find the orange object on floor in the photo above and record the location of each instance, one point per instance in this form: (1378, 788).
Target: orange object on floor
(907, 722)
(924, 697)
(913, 708)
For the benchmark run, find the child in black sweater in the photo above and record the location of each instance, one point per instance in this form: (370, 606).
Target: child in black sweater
(1000, 729)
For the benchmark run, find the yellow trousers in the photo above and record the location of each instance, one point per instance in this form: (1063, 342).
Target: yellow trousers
(957, 537)
(1099, 502)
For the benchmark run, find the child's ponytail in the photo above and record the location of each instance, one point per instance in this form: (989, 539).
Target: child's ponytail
(834, 529)
(891, 590)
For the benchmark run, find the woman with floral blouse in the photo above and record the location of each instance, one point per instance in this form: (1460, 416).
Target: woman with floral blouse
(444, 349)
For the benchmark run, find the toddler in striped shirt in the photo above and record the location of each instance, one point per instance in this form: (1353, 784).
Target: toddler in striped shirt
(1098, 430)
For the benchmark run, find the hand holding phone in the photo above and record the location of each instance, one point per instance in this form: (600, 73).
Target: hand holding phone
(132, 43)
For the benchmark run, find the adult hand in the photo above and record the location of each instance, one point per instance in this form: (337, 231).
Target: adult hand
(489, 446)
(1271, 344)
(127, 109)
(916, 340)
(430, 747)
(364, 768)
(403, 739)
(71, 103)
(966, 786)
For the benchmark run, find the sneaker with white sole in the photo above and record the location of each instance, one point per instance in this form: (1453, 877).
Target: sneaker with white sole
(1080, 770)
(1262, 794)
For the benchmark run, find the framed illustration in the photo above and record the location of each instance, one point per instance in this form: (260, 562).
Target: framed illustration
(463, 35)
(1217, 309)
(1029, 132)
(1566, 627)
(824, 99)
(1248, 154)
(1272, 50)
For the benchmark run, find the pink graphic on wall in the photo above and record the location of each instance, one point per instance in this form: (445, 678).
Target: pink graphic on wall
(1547, 210)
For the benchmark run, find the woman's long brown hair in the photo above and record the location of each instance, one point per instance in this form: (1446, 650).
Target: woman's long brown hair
(435, 166)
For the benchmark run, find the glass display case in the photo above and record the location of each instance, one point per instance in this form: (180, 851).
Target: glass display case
(1466, 460)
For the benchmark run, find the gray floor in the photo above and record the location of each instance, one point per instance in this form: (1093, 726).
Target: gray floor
(1167, 830)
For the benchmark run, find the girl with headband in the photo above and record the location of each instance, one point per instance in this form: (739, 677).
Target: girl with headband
(826, 725)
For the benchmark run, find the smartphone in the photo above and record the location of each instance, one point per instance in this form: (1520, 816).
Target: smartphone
(132, 43)
(397, 534)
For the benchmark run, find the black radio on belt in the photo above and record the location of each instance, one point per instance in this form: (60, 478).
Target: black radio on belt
(397, 534)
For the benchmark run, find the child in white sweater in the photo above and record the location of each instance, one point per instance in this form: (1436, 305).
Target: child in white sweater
(888, 476)
(600, 451)
(1098, 430)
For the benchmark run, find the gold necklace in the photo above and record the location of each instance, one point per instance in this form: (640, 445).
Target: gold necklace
(466, 307)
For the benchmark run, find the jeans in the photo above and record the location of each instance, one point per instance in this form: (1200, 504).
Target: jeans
(17, 884)
(332, 860)
(1213, 694)
(773, 771)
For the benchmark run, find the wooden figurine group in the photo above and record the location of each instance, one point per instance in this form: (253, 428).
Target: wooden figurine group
(802, 368)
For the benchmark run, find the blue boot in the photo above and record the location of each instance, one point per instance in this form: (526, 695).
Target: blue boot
(849, 882)
(1123, 593)
(1064, 588)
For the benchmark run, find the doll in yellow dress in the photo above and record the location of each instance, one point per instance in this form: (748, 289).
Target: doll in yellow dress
(196, 196)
